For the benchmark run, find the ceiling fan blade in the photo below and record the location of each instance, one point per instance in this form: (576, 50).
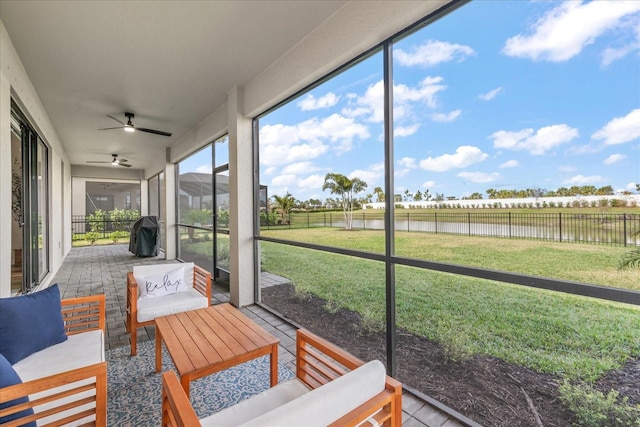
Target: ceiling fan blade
(119, 127)
(156, 132)
(125, 165)
(122, 123)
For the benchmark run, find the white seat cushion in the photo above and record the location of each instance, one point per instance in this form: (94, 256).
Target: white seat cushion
(77, 351)
(150, 308)
(257, 405)
(325, 404)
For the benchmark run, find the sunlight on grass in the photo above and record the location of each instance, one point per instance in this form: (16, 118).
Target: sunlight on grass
(593, 264)
(570, 336)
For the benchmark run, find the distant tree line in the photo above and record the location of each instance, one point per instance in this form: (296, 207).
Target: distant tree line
(286, 203)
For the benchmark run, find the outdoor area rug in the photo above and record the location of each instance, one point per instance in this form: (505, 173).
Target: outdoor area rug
(135, 390)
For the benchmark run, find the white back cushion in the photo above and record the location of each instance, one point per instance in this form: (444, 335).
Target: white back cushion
(162, 284)
(140, 272)
(325, 404)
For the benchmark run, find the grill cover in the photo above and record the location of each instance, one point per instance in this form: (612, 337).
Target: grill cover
(144, 237)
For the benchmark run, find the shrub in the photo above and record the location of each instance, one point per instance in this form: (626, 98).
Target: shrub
(592, 408)
(117, 235)
(92, 236)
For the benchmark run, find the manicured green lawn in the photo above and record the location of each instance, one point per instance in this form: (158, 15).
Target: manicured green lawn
(550, 332)
(594, 264)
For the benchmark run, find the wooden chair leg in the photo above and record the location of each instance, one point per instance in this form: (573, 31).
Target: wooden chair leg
(134, 339)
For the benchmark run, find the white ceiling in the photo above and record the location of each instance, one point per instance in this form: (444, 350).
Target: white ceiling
(169, 62)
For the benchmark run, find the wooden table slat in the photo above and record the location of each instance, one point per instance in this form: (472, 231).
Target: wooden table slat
(261, 336)
(236, 338)
(204, 341)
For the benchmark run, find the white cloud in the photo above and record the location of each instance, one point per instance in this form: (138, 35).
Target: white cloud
(284, 180)
(510, 164)
(586, 148)
(270, 170)
(371, 176)
(431, 53)
(535, 142)
(428, 184)
(204, 169)
(583, 180)
(620, 129)
(566, 29)
(479, 177)
(407, 165)
(312, 103)
(282, 144)
(614, 158)
(464, 156)
(311, 182)
(406, 130)
(407, 162)
(299, 168)
(612, 54)
(371, 104)
(490, 95)
(446, 117)
(631, 186)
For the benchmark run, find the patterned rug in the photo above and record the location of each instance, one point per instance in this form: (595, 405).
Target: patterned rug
(134, 388)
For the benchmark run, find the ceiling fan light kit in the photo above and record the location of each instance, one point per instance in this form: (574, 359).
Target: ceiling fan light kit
(115, 161)
(129, 127)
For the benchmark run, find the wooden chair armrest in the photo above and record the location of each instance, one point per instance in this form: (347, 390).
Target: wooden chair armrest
(132, 293)
(55, 402)
(319, 361)
(176, 407)
(202, 282)
(84, 314)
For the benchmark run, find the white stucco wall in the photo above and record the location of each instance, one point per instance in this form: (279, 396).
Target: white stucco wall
(14, 82)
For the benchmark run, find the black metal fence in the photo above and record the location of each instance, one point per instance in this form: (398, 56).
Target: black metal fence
(81, 225)
(610, 229)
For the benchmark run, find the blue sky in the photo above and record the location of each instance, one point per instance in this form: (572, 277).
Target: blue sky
(497, 94)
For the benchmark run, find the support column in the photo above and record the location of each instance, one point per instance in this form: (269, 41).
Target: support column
(241, 212)
(5, 186)
(170, 231)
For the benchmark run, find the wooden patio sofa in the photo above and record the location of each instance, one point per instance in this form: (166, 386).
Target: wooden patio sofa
(66, 384)
(332, 387)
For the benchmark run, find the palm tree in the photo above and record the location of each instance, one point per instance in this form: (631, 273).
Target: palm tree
(284, 204)
(632, 258)
(346, 188)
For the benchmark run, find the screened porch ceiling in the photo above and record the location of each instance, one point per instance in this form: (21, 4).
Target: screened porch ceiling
(171, 63)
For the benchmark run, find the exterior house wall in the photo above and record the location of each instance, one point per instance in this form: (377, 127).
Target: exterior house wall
(15, 83)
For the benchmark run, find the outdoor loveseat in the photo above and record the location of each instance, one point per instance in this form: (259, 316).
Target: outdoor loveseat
(64, 383)
(331, 387)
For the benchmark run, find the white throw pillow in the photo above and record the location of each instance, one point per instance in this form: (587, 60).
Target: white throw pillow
(158, 285)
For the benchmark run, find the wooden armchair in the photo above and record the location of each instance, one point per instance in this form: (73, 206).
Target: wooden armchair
(65, 383)
(143, 312)
(332, 387)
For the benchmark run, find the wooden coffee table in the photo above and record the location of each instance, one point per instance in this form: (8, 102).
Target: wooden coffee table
(204, 341)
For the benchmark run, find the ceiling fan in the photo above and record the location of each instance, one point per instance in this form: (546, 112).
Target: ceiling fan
(129, 127)
(115, 161)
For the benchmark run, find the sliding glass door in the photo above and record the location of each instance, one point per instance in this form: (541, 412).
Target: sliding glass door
(30, 241)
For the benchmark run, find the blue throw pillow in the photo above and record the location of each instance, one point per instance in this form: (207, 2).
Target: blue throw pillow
(8, 376)
(30, 323)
